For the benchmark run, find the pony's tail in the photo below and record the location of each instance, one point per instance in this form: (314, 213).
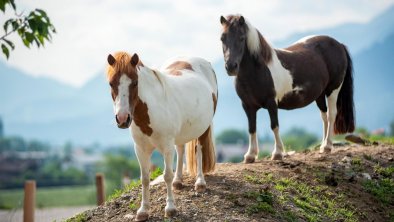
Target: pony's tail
(207, 150)
(345, 120)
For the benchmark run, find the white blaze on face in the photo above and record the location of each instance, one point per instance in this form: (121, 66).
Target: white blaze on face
(121, 104)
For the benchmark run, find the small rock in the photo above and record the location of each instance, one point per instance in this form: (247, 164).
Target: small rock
(391, 159)
(290, 153)
(331, 180)
(160, 199)
(366, 176)
(346, 159)
(129, 217)
(356, 139)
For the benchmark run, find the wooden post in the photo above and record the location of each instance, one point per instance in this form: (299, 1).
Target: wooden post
(29, 201)
(100, 189)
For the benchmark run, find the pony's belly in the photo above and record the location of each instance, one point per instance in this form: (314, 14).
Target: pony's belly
(192, 130)
(295, 100)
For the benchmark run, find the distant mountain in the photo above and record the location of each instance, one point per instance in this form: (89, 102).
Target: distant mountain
(44, 109)
(357, 37)
(41, 108)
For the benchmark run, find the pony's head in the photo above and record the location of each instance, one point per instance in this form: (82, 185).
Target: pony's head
(123, 79)
(233, 41)
(239, 36)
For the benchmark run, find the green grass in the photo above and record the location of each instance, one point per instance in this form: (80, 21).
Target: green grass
(313, 202)
(382, 189)
(133, 185)
(118, 192)
(384, 171)
(263, 202)
(78, 218)
(381, 139)
(51, 197)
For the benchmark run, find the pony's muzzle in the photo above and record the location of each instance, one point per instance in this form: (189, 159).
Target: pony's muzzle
(232, 68)
(123, 121)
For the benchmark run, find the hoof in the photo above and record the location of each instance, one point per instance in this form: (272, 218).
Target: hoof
(325, 149)
(142, 216)
(177, 185)
(170, 213)
(277, 156)
(249, 159)
(200, 188)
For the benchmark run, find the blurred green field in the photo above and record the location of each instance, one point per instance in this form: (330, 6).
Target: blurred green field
(53, 197)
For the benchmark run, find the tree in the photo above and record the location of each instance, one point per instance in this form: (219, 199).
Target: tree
(299, 139)
(33, 28)
(232, 136)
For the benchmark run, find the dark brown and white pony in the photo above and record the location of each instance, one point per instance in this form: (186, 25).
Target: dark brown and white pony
(166, 108)
(316, 68)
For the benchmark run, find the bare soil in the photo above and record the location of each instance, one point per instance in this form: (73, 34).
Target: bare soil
(306, 186)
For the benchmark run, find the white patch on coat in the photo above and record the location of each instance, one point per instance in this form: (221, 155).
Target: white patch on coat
(121, 104)
(304, 39)
(283, 81)
(252, 39)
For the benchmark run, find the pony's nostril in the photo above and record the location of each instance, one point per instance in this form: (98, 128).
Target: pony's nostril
(230, 66)
(116, 118)
(128, 118)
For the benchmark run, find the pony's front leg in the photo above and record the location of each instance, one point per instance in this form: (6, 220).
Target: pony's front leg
(168, 154)
(143, 155)
(253, 149)
(277, 154)
(177, 183)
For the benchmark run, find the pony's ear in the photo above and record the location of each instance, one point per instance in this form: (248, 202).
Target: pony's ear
(223, 20)
(241, 20)
(134, 59)
(111, 60)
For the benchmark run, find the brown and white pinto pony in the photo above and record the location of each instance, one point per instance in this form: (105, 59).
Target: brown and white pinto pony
(317, 68)
(166, 108)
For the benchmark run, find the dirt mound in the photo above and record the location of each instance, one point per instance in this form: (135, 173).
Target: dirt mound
(353, 183)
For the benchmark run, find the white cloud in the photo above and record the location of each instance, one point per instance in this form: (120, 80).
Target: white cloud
(89, 30)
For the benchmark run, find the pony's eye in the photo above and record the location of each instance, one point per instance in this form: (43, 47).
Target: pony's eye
(242, 38)
(135, 83)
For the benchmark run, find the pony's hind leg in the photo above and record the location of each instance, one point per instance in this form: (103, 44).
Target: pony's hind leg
(327, 145)
(277, 154)
(253, 149)
(321, 103)
(177, 183)
(200, 184)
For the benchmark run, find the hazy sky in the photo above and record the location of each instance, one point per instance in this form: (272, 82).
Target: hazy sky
(90, 29)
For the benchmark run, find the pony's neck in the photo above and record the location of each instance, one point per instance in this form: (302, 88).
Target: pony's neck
(258, 47)
(150, 82)
(251, 66)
